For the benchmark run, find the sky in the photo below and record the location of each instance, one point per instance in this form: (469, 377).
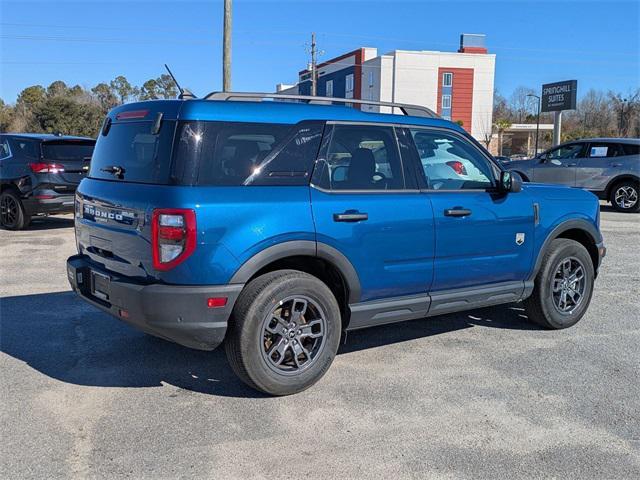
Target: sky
(595, 42)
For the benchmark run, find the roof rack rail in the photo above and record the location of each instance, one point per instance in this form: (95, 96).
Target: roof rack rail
(407, 109)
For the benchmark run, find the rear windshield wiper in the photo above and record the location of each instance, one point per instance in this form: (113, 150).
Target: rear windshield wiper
(115, 170)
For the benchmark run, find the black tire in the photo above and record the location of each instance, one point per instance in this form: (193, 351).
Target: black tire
(623, 194)
(247, 341)
(541, 305)
(12, 212)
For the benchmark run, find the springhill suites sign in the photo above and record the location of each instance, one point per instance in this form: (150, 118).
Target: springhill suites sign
(559, 96)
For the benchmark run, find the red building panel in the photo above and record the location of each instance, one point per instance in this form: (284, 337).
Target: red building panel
(461, 95)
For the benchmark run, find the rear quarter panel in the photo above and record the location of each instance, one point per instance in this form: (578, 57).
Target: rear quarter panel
(233, 224)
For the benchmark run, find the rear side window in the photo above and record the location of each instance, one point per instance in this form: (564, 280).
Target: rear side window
(67, 150)
(630, 149)
(605, 150)
(142, 156)
(25, 147)
(249, 154)
(361, 157)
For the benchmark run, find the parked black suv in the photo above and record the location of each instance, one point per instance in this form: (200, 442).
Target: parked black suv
(39, 174)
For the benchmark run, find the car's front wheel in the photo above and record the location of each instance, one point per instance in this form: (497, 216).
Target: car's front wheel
(625, 196)
(563, 286)
(284, 332)
(12, 212)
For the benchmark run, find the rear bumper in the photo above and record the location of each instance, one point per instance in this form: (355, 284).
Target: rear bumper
(48, 202)
(176, 313)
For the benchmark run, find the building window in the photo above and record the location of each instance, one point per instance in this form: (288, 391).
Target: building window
(348, 90)
(446, 102)
(447, 79)
(329, 92)
(370, 78)
(446, 117)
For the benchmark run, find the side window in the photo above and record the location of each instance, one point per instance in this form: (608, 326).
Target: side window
(234, 154)
(605, 150)
(451, 163)
(630, 149)
(566, 152)
(25, 147)
(360, 157)
(4, 148)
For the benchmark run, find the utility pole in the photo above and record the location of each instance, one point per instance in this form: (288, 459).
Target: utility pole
(314, 67)
(226, 48)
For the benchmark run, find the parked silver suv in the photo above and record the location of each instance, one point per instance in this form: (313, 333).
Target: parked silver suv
(609, 167)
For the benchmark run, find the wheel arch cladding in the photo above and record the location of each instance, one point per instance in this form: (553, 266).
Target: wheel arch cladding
(317, 259)
(578, 230)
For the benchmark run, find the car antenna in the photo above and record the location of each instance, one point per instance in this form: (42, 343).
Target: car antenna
(184, 93)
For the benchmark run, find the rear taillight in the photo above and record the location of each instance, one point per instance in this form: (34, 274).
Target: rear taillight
(46, 167)
(458, 167)
(173, 236)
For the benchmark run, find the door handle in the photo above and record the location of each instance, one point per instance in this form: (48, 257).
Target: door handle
(350, 216)
(571, 165)
(457, 212)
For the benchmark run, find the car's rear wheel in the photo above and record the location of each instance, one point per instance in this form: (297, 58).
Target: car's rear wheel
(563, 286)
(12, 212)
(625, 196)
(284, 332)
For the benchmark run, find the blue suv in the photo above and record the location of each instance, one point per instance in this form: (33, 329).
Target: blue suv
(275, 226)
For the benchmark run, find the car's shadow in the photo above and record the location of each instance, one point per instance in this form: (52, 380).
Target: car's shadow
(66, 339)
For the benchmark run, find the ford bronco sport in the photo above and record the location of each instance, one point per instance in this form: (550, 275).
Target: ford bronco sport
(275, 226)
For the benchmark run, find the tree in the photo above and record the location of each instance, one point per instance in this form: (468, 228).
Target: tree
(105, 96)
(6, 116)
(161, 87)
(64, 115)
(166, 86)
(501, 125)
(149, 90)
(520, 103)
(123, 89)
(57, 89)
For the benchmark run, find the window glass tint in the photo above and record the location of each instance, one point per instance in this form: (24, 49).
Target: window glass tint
(67, 151)
(605, 150)
(25, 147)
(216, 153)
(566, 152)
(4, 148)
(630, 149)
(362, 158)
(145, 157)
(451, 163)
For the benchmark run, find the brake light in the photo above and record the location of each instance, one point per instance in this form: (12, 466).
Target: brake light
(173, 236)
(458, 167)
(46, 167)
(131, 114)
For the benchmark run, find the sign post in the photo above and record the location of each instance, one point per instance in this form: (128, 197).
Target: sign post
(557, 97)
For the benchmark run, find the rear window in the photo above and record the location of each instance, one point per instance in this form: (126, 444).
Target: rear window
(67, 151)
(250, 154)
(141, 155)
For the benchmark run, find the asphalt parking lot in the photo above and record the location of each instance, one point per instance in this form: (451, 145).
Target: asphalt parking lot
(483, 394)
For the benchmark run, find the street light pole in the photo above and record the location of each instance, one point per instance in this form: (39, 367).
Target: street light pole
(226, 48)
(537, 121)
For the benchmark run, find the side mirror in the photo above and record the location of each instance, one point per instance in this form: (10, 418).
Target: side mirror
(510, 182)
